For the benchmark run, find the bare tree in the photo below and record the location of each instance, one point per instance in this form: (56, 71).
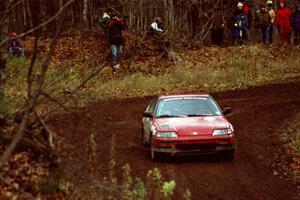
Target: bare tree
(33, 92)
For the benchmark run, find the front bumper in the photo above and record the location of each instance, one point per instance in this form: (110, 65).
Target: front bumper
(194, 147)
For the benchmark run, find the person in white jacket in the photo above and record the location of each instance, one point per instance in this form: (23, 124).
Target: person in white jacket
(155, 27)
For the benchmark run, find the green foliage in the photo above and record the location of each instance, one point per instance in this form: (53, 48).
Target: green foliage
(168, 189)
(296, 146)
(50, 185)
(134, 188)
(158, 188)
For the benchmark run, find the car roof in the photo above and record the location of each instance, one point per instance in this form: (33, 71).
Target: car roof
(190, 94)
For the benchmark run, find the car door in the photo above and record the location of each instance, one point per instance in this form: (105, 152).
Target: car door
(147, 122)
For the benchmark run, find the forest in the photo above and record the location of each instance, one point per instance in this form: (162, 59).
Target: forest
(182, 18)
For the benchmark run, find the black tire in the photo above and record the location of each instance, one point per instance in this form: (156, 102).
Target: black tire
(152, 153)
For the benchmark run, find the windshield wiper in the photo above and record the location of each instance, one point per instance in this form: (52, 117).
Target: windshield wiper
(168, 116)
(198, 115)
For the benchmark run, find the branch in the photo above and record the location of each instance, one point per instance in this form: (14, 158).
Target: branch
(71, 94)
(51, 134)
(42, 24)
(12, 7)
(30, 70)
(55, 101)
(32, 101)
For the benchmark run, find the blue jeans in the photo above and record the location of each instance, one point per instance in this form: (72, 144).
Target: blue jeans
(116, 51)
(265, 31)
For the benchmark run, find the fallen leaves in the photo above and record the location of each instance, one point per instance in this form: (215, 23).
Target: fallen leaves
(22, 177)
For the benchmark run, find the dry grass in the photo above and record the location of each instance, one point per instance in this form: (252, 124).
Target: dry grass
(211, 69)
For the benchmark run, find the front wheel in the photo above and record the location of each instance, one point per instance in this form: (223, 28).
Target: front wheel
(152, 152)
(144, 140)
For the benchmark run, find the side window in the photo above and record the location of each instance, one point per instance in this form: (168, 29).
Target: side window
(151, 106)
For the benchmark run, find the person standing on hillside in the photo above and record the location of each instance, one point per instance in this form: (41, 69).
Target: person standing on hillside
(262, 23)
(296, 25)
(218, 24)
(239, 25)
(283, 22)
(155, 28)
(272, 18)
(14, 46)
(115, 28)
(104, 19)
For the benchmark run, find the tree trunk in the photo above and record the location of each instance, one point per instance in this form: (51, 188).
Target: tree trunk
(85, 12)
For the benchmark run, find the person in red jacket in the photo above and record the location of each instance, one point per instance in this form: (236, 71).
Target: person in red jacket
(115, 28)
(283, 22)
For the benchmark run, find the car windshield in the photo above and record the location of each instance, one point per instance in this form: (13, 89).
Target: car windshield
(187, 107)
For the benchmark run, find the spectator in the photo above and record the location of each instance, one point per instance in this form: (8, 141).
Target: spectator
(272, 18)
(116, 39)
(155, 27)
(104, 20)
(217, 30)
(262, 22)
(283, 22)
(296, 25)
(248, 14)
(239, 25)
(14, 46)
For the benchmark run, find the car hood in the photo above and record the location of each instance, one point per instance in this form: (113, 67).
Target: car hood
(189, 126)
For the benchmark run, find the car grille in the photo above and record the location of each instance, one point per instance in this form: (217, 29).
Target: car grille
(204, 147)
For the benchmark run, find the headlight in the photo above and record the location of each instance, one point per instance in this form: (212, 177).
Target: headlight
(227, 131)
(166, 134)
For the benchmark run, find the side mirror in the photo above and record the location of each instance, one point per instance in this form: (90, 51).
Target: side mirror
(148, 114)
(227, 111)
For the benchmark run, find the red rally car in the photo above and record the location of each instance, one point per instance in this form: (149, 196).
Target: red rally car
(187, 124)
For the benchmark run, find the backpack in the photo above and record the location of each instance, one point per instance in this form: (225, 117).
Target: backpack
(103, 21)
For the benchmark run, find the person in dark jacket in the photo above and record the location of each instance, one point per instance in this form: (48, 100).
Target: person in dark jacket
(14, 46)
(296, 25)
(262, 23)
(217, 30)
(239, 25)
(283, 22)
(115, 28)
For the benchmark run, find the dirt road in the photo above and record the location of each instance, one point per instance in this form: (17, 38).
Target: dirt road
(257, 115)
